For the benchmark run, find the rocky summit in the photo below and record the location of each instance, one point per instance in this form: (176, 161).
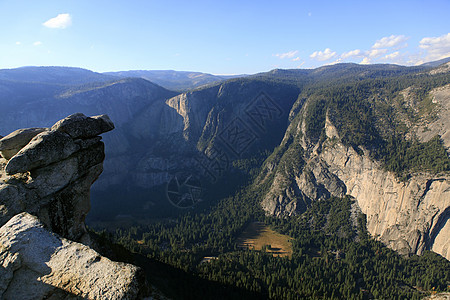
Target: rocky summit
(45, 178)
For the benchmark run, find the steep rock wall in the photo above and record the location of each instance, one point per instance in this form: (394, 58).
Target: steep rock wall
(407, 216)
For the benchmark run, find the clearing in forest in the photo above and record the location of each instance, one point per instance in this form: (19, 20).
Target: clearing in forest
(258, 236)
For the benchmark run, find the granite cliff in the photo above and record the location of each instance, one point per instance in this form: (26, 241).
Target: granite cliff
(45, 178)
(409, 216)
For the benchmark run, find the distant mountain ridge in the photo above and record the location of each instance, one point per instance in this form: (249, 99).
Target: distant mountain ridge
(53, 75)
(175, 80)
(436, 62)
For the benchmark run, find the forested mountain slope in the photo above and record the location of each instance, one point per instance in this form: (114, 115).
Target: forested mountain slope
(370, 139)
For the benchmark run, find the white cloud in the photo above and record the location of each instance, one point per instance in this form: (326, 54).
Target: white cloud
(369, 55)
(416, 62)
(18, 43)
(390, 41)
(392, 56)
(365, 61)
(296, 59)
(323, 55)
(398, 57)
(353, 53)
(289, 54)
(414, 59)
(37, 43)
(436, 47)
(61, 21)
(374, 53)
(337, 61)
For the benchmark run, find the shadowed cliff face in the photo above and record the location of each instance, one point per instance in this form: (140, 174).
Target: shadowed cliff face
(170, 136)
(45, 178)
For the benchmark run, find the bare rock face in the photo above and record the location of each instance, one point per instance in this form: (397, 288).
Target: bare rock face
(293, 193)
(13, 142)
(38, 264)
(440, 296)
(409, 217)
(77, 126)
(44, 198)
(51, 175)
(45, 148)
(440, 124)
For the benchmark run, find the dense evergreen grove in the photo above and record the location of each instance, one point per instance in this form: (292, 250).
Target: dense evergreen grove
(334, 257)
(402, 157)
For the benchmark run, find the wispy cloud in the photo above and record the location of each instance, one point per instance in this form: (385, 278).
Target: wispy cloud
(392, 56)
(61, 21)
(353, 53)
(289, 54)
(323, 55)
(390, 49)
(370, 55)
(374, 53)
(37, 43)
(337, 61)
(366, 61)
(390, 41)
(18, 43)
(397, 57)
(436, 47)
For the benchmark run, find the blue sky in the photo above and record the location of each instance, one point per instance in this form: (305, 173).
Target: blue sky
(226, 37)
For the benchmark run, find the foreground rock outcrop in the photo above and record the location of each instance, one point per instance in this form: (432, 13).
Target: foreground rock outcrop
(50, 172)
(45, 178)
(38, 264)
